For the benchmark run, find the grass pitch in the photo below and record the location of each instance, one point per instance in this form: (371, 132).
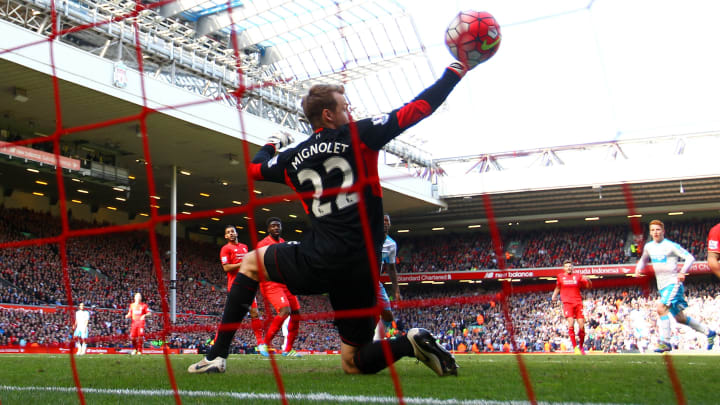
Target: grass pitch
(123, 379)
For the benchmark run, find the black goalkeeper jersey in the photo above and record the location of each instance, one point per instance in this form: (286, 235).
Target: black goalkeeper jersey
(323, 166)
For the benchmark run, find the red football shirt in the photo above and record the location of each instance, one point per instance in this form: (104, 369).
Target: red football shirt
(269, 241)
(232, 253)
(713, 239)
(137, 311)
(570, 285)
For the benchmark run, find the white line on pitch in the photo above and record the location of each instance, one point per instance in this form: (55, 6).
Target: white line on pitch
(314, 397)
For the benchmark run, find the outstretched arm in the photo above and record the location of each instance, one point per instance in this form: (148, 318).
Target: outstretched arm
(378, 131)
(641, 263)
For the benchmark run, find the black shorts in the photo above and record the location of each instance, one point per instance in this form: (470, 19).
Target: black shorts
(348, 284)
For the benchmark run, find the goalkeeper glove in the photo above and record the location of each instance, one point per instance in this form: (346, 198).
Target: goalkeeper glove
(459, 68)
(280, 140)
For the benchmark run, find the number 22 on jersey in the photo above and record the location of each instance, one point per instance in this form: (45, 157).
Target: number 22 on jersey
(343, 199)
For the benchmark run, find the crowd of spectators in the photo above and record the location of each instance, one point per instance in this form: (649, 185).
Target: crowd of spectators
(596, 245)
(617, 320)
(109, 328)
(104, 271)
(469, 320)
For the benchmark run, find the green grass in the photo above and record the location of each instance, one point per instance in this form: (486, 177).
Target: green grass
(637, 379)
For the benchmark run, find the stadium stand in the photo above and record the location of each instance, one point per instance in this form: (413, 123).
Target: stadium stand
(104, 270)
(531, 249)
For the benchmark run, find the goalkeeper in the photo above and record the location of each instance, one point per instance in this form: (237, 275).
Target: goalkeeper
(333, 257)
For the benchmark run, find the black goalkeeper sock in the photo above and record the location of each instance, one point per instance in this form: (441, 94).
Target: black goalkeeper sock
(370, 358)
(240, 297)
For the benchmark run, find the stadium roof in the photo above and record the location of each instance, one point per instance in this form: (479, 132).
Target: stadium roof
(306, 41)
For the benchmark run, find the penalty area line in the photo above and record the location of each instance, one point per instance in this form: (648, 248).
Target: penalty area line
(313, 397)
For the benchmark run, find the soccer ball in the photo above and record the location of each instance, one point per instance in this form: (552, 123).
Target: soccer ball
(473, 37)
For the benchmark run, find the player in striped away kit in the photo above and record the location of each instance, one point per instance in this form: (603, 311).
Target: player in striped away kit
(664, 255)
(389, 257)
(569, 285)
(333, 256)
(82, 319)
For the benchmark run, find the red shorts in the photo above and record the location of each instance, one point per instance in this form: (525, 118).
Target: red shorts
(571, 310)
(137, 330)
(279, 296)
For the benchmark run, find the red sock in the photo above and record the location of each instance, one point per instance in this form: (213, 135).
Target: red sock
(571, 332)
(293, 327)
(257, 326)
(274, 328)
(581, 335)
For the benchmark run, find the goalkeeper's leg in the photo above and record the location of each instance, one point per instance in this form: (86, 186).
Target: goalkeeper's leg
(370, 358)
(238, 302)
(240, 298)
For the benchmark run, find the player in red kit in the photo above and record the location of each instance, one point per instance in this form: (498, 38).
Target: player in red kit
(713, 248)
(137, 313)
(231, 255)
(569, 285)
(285, 303)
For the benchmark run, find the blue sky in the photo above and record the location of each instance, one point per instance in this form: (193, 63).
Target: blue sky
(567, 73)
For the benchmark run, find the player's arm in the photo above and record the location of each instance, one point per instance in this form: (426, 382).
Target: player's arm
(231, 267)
(392, 269)
(146, 313)
(392, 273)
(378, 131)
(713, 259)
(225, 254)
(586, 282)
(267, 166)
(556, 291)
(688, 258)
(641, 262)
(129, 314)
(713, 248)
